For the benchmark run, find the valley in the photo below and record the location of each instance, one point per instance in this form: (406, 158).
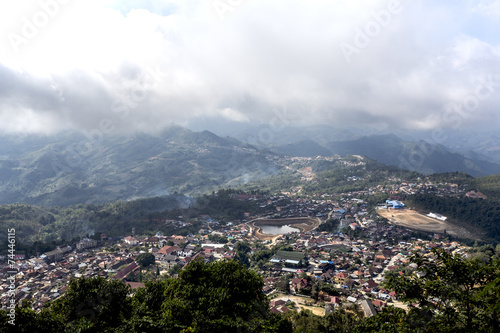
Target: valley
(194, 198)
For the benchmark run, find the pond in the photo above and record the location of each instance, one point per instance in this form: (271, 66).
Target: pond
(277, 229)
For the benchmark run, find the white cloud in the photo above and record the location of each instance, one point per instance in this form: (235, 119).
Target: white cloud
(488, 8)
(99, 57)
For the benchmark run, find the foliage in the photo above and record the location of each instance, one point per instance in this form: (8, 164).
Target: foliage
(217, 239)
(330, 225)
(242, 249)
(221, 296)
(40, 229)
(449, 291)
(93, 304)
(145, 259)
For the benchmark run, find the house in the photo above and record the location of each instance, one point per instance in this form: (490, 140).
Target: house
(335, 300)
(327, 277)
(121, 275)
(53, 256)
(187, 252)
(154, 240)
(341, 277)
(86, 243)
(297, 284)
(371, 284)
(168, 250)
(394, 204)
(277, 302)
(354, 226)
(368, 308)
(135, 285)
(351, 299)
(130, 240)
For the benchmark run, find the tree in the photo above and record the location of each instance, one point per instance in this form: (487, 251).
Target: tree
(283, 284)
(242, 249)
(93, 304)
(27, 320)
(221, 296)
(449, 290)
(145, 259)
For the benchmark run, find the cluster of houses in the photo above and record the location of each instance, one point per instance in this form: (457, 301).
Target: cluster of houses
(354, 266)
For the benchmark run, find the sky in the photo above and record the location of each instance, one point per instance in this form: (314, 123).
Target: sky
(126, 66)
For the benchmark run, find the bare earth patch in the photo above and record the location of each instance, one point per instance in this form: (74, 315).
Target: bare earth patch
(413, 220)
(300, 303)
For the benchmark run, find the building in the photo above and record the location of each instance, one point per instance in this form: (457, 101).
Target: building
(394, 204)
(86, 243)
(130, 240)
(437, 216)
(53, 256)
(368, 308)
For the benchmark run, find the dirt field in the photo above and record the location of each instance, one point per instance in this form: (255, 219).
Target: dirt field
(304, 224)
(413, 220)
(299, 302)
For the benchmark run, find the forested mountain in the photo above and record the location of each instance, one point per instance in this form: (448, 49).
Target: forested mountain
(73, 168)
(391, 150)
(94, 167)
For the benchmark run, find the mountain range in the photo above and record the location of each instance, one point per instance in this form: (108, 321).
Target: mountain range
(70, 168)
(389, 149)
(73, 167)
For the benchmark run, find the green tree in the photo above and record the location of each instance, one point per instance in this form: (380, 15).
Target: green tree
(145, 259)
(448, 290)
(93, 304)
(29, 321)
(241, 250)
(221, 296)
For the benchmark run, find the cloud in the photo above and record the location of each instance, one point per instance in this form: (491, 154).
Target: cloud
(140, 66)
(488, 8)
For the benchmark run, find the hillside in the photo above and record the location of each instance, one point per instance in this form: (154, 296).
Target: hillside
(391, 150)
(69, 168)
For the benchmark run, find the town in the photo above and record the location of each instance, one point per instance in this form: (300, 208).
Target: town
(338, 260)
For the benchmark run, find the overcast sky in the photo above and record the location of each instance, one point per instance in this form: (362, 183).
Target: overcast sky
(137, 65)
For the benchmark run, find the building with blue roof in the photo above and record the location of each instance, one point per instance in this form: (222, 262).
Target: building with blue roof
(394, 204)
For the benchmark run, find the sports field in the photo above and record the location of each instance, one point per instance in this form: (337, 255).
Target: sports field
(413, 220)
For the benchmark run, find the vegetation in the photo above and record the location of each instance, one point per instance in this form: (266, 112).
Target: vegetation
(360, 176)
(64, 172)
(46, 227)
(453, 294)
(145, 259)
(217, 297)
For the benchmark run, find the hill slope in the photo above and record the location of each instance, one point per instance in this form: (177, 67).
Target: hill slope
(71, 168)
(416, 156)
